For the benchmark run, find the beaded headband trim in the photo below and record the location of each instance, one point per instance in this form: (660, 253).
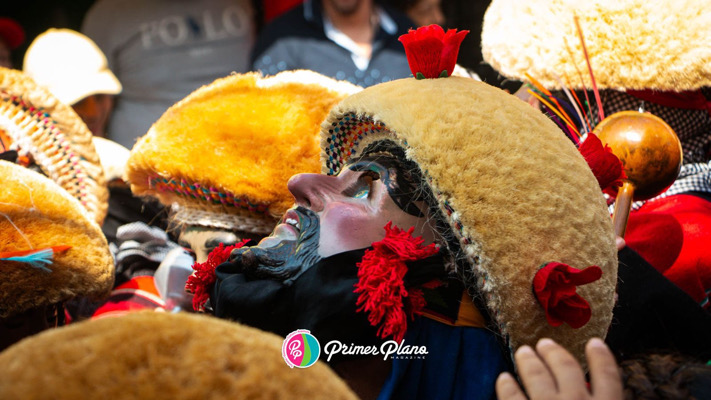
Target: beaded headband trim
(194, 190)
(344, 138)
(34, 132)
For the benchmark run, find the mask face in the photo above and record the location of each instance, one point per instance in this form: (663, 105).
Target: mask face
(355, 205)
(336, 214)
(202, 240)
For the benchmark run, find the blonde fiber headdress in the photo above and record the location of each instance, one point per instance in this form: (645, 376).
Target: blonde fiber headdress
(224, 153)
(633, 44)
(37, 214)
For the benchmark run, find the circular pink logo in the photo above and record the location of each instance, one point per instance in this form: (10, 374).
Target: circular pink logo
(300, 349)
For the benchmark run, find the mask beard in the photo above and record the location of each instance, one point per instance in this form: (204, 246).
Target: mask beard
(286, 261)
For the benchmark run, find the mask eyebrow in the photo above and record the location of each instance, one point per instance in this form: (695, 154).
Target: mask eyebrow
(360, 182)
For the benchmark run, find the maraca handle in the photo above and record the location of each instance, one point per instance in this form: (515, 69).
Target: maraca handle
(622, 208)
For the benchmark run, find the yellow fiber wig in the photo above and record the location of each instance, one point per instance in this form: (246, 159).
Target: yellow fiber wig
(516, 192)
(229, 148)
(632, 44)
(150, 355)
(39, 125)
(35, 213)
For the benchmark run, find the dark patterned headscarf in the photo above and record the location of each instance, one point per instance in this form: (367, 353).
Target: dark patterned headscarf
(693, 126)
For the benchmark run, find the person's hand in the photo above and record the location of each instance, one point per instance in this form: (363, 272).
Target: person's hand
(551, 372)
(620, 242)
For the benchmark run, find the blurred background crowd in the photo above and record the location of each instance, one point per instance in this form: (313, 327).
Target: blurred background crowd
(162, 50)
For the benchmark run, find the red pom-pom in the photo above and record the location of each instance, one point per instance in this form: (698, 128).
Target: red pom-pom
(201, 281)
(604, 164)
(431, 52)
(382, 290)
(555, 286)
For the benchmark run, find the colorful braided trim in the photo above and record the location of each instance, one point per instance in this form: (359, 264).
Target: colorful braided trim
(35, 132)
(344, 136)
(195, 191)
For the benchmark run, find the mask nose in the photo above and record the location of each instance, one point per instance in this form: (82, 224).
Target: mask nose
(310, 190)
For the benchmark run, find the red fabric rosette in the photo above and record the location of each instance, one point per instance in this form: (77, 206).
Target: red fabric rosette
(555, 286)
(431, 52)
(605, 165)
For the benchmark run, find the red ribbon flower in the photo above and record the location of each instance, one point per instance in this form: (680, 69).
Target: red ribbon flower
(555, 286)
(604, 164)
(201, 281)
(431, 52)
(381, 283)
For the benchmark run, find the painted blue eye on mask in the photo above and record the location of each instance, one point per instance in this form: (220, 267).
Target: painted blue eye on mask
(386, 161)
(363, 193)
(362, 187)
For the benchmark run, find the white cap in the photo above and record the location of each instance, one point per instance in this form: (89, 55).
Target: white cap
(113, 157)
(69, 65)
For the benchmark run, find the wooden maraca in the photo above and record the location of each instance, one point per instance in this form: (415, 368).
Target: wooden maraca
(650, 153)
